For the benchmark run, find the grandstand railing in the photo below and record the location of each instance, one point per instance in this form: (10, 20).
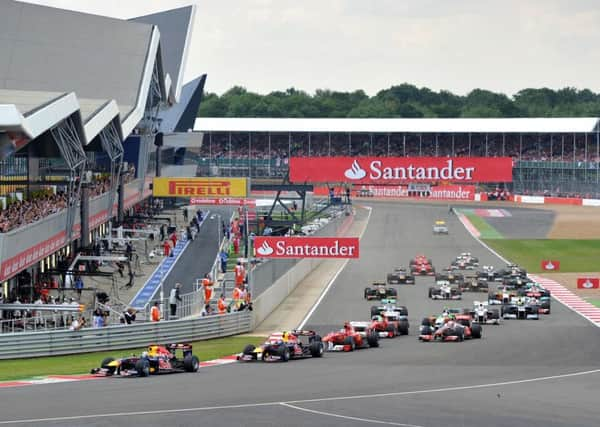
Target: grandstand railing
(51, 343)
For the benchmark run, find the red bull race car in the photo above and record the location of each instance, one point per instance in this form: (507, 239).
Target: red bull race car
(284, 346)
(400, 276)
(158, 359)
(352, 336)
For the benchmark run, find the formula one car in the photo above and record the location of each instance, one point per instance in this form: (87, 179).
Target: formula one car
(445, 290)
(472, 284)
(352, 336)
(512, 270)
(400, 276)
(390, 324)
(488, 274)
(283, 346)
(523, 308)
(440, 227)
(455, 328)
(465, 261)
(516, 282)
(379, 290)
(541, 294)
(388, 305)
(481, 313)
(158, 359)
(450, 276)
(421, 265)
(502, 296)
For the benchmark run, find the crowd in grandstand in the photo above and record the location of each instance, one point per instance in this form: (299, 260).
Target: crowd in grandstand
(280, 147)
(27, 211)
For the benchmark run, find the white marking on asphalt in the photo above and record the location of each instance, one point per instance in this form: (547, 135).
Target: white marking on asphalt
(291, 402)
(346, 417)
(333, 279)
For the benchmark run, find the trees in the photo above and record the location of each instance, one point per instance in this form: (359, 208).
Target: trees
(404, 100)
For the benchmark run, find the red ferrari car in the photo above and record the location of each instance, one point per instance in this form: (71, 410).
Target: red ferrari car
(459, 328)
(352, 336)
(390, 324)
(421, 265)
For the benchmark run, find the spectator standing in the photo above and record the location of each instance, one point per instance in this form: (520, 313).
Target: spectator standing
(240, 274)
(207, 284)
(155, 313)
(79, 286)
(224, 257)
(174, 298)
(185, 214)
(222, 305)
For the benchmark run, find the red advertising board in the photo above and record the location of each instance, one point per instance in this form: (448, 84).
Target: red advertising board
(224, 202)
(588, 283)
(394, 170)
(550, 265)
(306, 247)
(436, 192)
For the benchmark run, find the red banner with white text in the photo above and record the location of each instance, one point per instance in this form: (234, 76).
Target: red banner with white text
(306, 247)
(436, 192)
(394, 170)
(588, 283)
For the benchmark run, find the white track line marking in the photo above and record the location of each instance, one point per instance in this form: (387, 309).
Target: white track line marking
(333, 279)
(291, 402)
(346, 417)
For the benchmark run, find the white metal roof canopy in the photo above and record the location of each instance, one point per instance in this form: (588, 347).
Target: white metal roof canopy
(509, 125)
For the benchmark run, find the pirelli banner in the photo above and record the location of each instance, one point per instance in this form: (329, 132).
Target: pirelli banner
(396, 170)
(209, 188)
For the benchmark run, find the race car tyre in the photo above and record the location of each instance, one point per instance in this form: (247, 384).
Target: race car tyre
(374, 310)
(284, 354)
(430, 292)
(476, 331)
(142, 366)
(403, 327)
(350, 342)
(316, 349)
(392, 292)
(373, 339)
(191, 363)
(391, 329)
(366, 294)
(249, 349)
(106, 361)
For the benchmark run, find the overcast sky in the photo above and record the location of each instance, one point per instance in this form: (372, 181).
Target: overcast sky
(458, 45)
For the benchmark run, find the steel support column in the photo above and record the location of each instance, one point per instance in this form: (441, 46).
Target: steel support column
(111, 143)
(69, 144)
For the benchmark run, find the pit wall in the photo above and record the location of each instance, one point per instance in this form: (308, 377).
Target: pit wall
(274, 295)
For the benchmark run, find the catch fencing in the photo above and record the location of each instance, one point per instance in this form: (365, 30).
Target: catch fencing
(52, 343)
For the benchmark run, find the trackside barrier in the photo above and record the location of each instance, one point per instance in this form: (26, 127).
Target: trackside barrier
(24, 345)
(285, 284)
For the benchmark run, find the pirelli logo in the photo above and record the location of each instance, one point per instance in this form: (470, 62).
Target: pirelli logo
(203, 187)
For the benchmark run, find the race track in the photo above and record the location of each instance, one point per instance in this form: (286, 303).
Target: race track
(522, 373)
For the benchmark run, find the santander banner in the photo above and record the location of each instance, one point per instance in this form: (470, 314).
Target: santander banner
(436, 192)
(223, 202)
(392, 170)
(306, 247)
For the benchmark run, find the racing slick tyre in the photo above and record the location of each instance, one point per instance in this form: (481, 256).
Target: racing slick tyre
(392, 331)
(316, 348)
(350, 342)
(191, 363)
(392, 292)
(249, 349)
(430, 292)
(284, 354)
(366, 293)
(106, 361)
(374, 310)
(476, 331)
(403, 327)
(373, 339)
(142, 366)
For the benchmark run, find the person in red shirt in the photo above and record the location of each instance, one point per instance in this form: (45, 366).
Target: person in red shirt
(240, 274)
(222, 305)
(207, 284)
(155, 313)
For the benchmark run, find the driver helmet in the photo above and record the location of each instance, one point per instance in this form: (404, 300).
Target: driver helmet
(285, 336)
(144, 354)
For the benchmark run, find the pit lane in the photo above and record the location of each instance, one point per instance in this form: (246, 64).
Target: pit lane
(562, 343)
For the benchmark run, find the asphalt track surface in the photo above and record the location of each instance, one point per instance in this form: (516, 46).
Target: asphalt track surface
(522, 373)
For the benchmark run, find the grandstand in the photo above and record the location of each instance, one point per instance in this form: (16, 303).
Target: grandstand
(84, 103)
(558, 156)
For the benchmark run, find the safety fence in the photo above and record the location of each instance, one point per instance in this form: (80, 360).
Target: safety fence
(51, 343)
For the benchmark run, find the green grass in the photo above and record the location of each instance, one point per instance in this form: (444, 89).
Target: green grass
(575, 256)
(486, 230)
(595, 302)
(82, 363)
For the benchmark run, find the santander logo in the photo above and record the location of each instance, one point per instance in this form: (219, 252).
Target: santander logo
(265, 249)
(355, 171)
(549, 266)
(588, 284)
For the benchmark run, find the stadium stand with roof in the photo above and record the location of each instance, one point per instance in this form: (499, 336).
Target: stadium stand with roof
(82, 99)
(559, 156)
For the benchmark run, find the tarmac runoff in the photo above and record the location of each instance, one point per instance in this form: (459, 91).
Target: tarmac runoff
(522, 373)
